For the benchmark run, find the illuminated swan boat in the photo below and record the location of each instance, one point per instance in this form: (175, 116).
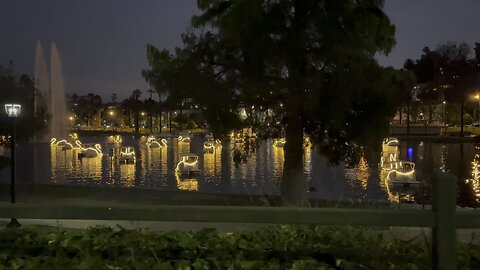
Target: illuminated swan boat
(188, 164)
(184, 138)
(127, 155)
(279, 142)
(152, 142)
(89, 150)
(401, 172)
(210, 145)
(390, 142)
(64, 144)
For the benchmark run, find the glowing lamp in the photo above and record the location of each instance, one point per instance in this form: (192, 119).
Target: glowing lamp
(13, 110)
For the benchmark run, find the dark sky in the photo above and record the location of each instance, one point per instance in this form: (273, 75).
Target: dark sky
(102, 42)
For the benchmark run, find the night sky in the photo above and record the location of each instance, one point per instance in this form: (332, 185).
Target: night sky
(102, 43)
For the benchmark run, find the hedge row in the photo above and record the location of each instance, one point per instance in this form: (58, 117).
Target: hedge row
(277, 247)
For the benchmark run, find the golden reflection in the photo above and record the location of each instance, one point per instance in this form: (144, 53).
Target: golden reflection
(475, 176)
(183, 147)
(61, 160)
(164, 161)
(127, 174)
(278, 159)
(363, 172)
(443, 158)
(392, 195)
(212, 163)
(89, 168)
(307, 158)
(186, 183)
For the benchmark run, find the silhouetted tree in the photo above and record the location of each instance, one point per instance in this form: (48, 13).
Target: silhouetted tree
(310, 61)
(16, 88)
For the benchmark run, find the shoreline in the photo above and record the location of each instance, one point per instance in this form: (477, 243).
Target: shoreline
(120, 196)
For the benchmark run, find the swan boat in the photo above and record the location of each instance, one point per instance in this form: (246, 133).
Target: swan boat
(127, 155)
(187, 165)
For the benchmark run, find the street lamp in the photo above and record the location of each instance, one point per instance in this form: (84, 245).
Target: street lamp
(13, 111)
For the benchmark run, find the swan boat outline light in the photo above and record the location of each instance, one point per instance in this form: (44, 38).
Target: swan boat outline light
(127, 155)
(188, 164)
(210, 145)
(184, 138)
(153, 143)
(279, 142)
(66, 145)
(90, 151)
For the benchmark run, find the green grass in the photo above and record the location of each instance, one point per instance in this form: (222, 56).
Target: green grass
(276, 247)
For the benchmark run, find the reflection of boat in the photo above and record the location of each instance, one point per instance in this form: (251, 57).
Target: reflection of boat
(279, 142)
(188, 164)
(401, 172)
(152, 142)
(90, 150)
(127, 155)
(187, 184)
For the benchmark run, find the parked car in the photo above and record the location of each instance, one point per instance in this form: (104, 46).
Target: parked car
(476, 124)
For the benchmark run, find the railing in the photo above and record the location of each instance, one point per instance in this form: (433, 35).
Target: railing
(443, 218)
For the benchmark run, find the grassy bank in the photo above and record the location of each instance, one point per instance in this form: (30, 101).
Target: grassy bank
(118, 196)
(276, 247)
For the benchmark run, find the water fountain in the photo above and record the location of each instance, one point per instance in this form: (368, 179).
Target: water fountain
(51, 91)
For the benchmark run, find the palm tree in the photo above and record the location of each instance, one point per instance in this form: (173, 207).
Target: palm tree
(137, 104)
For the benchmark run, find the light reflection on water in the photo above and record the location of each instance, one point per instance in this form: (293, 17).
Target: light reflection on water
(260, 174)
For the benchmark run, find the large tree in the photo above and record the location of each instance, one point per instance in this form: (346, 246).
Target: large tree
(16, 88)
(308, 62)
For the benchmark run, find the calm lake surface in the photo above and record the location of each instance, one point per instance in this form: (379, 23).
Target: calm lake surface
(155, 169)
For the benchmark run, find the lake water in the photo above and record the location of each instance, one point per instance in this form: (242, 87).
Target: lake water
(260, 174)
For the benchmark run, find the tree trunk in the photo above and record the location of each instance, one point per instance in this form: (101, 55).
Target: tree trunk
(430, 114)
(461, 118)
(160, 122)
(400, 116)
(293, 186)
(137, 128)
(408, 119)
(151, 122)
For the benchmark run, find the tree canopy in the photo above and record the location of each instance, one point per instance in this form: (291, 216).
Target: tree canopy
(16, 88)
(309, 65)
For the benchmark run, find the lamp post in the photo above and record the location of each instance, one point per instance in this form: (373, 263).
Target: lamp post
(13, 111)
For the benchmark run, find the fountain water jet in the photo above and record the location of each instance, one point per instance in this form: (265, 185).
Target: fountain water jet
(51, 91)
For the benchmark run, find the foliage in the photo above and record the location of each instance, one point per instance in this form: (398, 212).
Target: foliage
(276, 247)
(87, 108)
(20, 89)
(292, 67)
(467, 119)
(447, 73)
